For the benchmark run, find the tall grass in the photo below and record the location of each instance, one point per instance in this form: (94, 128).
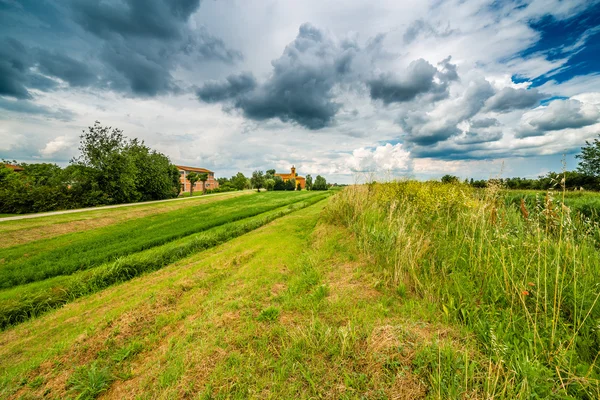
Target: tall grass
(24, 302)
(525, 279)
(66, 254)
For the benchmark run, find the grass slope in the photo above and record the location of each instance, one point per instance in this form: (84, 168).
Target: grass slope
(28, 230)
(23, 302)
(290, 310)
(66, 254)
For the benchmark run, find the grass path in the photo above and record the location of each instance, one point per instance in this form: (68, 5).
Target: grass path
(15, 232)
(290, 310)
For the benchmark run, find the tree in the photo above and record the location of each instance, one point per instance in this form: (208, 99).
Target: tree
(156, 177)
(270, 184)
(105, 166)
(258, 180)
(269, 174)
(309, 182)
(203, 177)
(450, 179)
(589, 163)
(279, 183)
(192, 177)
(290, 184)
(239, 181)
(320, 183)
(299, 186)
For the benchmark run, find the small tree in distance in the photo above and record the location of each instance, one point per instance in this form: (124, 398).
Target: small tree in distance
(309, 182)
(203, 177)
(589, 163)
(192, 177)
(450, 179)
(258, 180)
(320, 183)
(270, 184)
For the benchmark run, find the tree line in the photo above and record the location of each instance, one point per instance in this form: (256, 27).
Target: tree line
(587, 175)
(269, 181)
(112, 169)
(109, 170)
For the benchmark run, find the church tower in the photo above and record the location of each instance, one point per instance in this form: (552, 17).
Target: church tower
(293, 172)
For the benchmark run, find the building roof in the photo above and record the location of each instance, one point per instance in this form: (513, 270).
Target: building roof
(289, 176)
(194, 169)
(15, 168)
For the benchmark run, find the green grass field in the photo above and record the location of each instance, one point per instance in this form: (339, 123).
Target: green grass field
(390, 291)
(66, 254)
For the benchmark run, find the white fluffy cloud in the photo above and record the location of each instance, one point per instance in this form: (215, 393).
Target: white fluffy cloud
(382, 158)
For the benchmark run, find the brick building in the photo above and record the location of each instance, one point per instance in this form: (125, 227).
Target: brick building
(211, 183)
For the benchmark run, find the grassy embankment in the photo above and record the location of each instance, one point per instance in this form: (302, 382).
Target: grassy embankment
(523, 280)
(72, 265)
(290, 310)
(27, 230)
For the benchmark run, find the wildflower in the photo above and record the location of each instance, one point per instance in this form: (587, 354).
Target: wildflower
(531, 284)
(525, 293)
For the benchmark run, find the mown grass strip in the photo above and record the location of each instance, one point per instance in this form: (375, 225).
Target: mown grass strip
(69, 253)
(22, 303)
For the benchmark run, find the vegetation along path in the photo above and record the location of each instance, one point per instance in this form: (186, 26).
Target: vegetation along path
(399, 290)
(290, 310)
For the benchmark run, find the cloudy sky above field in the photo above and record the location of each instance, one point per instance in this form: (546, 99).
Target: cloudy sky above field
(342, 88)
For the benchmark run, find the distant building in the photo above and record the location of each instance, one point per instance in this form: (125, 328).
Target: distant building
(15, 168)
(293, 175)
(211, 182)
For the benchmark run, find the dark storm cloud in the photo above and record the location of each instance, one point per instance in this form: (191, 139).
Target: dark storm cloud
(130, 46)
(418, 79)
(484, 123)
(509, 99)
(559, 115)
(425, 129)
(299, 88)
(143, 41)
(232, 87)
(14, 66)
(75, 72)
(161, 19)
(479, 137)
(27, 107)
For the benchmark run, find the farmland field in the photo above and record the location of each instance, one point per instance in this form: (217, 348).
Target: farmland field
(399, 290)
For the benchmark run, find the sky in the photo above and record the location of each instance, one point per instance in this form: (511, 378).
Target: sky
(347, 89)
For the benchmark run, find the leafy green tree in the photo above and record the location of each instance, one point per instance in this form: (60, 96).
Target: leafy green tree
(239, 181)
(450, 179)
(269, 184)
(298, 186)
(279, 183)
(104, 164)
(203, 177)
(290, 184)
(269, 174)
(156, 177)
(192, 177)
(309, 182)
(258, 180)
(223, 181)
(320, 183)
(42, 174)
(589, 163)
